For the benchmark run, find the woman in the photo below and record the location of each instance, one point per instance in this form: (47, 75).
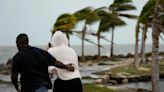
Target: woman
(66, 81)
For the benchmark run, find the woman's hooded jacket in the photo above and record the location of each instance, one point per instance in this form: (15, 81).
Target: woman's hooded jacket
(62, 52)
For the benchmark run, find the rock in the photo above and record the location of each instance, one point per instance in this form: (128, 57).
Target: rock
(102, 80)
(142, 90)
(105, 78)
(121, 75)
(129, 55)
(134, 78)
(113, 82)
(9, 62)
(124, 81)
(2, 67)
(98, 81)
(143, 69)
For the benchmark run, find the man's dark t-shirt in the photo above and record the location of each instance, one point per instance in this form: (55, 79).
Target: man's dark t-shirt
(32, 64)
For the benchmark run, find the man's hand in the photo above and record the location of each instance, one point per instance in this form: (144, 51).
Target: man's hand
(70, 67)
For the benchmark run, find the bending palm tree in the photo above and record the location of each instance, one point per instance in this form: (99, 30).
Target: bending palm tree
(136, 62)
(65, 22)
(107, 21)
(145, 21)
(102, 14)
(89, 17)
(156, 24)
(117, 7)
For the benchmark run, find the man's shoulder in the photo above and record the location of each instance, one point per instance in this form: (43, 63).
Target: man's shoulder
(17, 54)
(39, 50)
(17, 57)
(36, 48)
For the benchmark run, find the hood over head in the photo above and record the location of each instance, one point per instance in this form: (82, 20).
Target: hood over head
(59, 38)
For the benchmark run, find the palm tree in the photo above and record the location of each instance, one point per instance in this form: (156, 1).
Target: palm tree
(102, 14)
(152, 11)
(65, 22)
(89, 17)
(117, 8)
(157, 20)
(136, 62)
(144, 31)
(107, 21)
(145, 21)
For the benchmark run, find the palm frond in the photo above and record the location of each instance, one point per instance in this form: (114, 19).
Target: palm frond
(102, 12)
(122, 5)
(110, 21)
(86, 14)
(80, 15)
(147, 11)
(130, 16)
(88, 40)
(65, 22)
(101, 8)
(122, 1)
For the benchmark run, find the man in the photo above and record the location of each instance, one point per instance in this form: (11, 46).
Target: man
(32, 65)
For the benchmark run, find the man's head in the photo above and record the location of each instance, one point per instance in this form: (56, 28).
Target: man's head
(22, 41)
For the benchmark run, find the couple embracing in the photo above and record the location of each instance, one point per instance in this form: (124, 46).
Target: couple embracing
(32, 64)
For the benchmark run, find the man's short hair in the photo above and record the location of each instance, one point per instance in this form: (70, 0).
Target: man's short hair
(22, 38)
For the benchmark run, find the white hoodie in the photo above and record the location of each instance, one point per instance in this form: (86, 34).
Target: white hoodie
(65, 54)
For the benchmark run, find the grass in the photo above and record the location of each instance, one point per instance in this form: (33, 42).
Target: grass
(87, 77)
(131, 71)
(4, 82)
(95, 88)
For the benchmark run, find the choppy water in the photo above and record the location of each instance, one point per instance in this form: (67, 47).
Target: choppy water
(7, 52)
(144, 85)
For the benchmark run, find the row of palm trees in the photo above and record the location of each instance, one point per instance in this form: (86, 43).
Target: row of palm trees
(143, 23)
(108, 17)
(152, 16)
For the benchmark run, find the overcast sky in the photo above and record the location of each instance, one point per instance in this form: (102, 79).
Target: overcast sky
(36, 18)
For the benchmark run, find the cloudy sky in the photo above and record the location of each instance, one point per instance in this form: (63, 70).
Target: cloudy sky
(36, 18)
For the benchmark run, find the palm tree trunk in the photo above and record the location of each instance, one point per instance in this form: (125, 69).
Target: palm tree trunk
(83, 36)
(155, 51)
(155, 58)
(136, 61)
(111, 49)
(143, 44)
(98, 39)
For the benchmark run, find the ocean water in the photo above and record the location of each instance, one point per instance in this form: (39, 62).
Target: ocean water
(144, 85)
(7, 52)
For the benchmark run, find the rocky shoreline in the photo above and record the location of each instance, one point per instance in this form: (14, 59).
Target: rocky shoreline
(107, 64)
(121, 79)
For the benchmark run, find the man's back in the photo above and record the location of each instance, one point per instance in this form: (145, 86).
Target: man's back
(32, 64)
